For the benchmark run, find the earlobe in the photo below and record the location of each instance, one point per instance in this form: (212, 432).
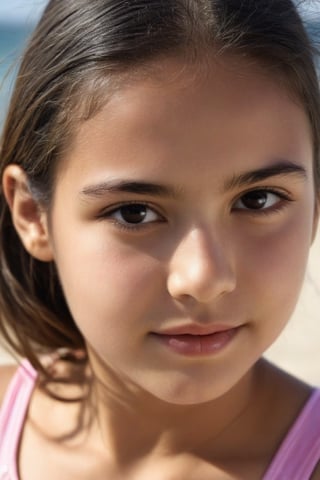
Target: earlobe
(29, 220)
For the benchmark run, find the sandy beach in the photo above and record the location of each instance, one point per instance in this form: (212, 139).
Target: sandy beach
(298, 348)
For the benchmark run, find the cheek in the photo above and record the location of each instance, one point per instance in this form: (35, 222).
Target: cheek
(277, 265)
(105, 280)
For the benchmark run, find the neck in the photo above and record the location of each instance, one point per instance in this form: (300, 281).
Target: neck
(133, 424)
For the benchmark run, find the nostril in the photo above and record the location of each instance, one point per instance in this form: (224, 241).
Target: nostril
(197, 287)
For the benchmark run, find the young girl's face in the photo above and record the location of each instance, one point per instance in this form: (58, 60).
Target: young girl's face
(181, 223)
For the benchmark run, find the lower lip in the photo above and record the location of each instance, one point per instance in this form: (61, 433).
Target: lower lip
(198, 345)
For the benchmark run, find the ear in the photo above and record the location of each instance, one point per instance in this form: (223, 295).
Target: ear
(29, 220)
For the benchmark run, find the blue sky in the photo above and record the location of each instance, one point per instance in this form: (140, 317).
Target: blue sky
(21, 10)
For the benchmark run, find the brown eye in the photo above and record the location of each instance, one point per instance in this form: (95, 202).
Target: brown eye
(256, 200)
(133, 214)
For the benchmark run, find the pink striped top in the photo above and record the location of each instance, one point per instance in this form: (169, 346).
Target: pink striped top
(12, 415)
(296, 458)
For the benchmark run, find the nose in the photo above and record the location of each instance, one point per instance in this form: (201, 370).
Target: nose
(201, 268)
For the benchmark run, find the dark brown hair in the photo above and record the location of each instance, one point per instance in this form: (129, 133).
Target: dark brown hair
(77, 47)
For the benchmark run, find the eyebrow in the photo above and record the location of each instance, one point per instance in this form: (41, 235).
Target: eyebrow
(280, 168)
(128, 186)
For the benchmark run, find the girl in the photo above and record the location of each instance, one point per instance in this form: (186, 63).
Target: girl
(160, 185)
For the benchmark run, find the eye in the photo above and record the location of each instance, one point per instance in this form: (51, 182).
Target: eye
(133, 214)
(260, 200)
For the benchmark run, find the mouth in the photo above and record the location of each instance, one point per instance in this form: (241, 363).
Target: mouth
(193, 340)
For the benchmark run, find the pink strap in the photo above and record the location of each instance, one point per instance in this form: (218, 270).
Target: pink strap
(12, 417)
(299, 453)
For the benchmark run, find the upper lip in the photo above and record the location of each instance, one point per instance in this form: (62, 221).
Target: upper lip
(194, 329)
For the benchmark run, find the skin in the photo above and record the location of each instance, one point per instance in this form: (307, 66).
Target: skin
(200, 257)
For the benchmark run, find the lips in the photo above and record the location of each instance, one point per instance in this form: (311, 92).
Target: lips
(195, 329)
(195, 340)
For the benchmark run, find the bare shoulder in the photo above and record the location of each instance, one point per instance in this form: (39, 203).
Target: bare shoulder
(6, 374)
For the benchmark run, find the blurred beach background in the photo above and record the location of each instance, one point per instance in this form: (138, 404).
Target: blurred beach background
(298, 348)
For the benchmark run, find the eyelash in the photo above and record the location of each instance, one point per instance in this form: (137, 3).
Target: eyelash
(284, 199)
(131, 226)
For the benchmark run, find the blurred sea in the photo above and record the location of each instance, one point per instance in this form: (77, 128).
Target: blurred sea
(12, 41)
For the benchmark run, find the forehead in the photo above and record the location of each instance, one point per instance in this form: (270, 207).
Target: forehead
(177, 74)
(170, 110)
